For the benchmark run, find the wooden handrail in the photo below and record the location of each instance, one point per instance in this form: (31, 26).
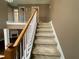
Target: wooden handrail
(18, 40)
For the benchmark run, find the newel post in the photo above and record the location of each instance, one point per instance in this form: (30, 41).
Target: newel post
(10, 52)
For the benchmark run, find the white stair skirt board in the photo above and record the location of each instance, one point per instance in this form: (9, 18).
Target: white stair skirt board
(58, 44)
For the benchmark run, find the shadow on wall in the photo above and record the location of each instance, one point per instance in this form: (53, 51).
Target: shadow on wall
(2, 47)
(3, 13)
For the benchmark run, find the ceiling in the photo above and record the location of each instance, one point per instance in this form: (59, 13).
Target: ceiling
(31, 1)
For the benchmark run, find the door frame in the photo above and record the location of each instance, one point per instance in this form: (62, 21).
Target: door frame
(35, 7)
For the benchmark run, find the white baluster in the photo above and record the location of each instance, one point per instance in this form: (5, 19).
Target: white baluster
(29, 37)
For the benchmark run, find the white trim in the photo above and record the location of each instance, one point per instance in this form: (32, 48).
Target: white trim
(6, 37)
(16, 15)
(21, 50)
(58, 44)
(14, 23)
(2, 56)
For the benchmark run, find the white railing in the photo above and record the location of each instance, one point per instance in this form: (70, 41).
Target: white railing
(27, 43)
(29, 38)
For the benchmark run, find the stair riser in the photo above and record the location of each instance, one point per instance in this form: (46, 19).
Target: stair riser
(44, 24)
(50, 38)
(44, 31)
(45, 37)
(43, 42)
(43, 27)
(41, 34)
(44, 57)
(53, 45)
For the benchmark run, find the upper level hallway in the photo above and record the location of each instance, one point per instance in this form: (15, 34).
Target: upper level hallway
(19, 12)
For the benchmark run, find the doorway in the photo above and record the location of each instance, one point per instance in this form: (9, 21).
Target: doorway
(21, 14)
(35, 7)
(2, 45)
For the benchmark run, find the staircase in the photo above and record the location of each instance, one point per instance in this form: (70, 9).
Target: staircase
(45, 46)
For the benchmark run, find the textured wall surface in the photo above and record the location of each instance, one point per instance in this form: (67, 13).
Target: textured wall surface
(3, 13)
(65, 16)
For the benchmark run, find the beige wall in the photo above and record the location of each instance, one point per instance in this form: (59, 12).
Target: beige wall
(44, 12)
(3, 13)
(65, 15)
